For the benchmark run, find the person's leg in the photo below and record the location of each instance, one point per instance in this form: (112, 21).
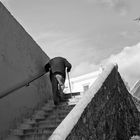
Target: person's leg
(55, 91)
(61, 87)
(60, 80)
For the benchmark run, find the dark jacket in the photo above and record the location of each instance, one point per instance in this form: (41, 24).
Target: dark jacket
(58, 65)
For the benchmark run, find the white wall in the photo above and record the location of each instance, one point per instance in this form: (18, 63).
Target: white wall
(77, 83)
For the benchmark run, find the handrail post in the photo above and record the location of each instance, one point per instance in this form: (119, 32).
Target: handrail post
(69, 83)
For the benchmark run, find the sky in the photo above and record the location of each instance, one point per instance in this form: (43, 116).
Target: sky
(89, 33)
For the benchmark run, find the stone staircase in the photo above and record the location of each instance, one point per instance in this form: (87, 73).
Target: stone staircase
(44, 121)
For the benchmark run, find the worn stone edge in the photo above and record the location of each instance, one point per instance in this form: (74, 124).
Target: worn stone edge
(63, 130)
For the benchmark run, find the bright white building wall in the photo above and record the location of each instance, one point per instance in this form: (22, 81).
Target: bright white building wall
(81, 83)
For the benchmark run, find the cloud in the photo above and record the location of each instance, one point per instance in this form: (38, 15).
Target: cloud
(84, 68)
(83, 56)
(129, 34)
(119, 5)
(57, 42)
(128, 61)
(69, 45)
(73, 47)
(125, 34)
(112, 3)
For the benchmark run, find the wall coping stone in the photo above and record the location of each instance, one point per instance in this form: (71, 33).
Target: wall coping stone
(63, 130)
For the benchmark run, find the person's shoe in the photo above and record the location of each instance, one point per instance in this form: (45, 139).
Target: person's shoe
(56, 103)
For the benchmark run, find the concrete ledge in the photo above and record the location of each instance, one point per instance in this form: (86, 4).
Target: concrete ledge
(63, 130)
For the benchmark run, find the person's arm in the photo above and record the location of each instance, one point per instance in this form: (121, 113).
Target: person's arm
(68, 65)
(47, 67)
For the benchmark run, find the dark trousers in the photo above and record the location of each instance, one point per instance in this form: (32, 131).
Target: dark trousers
(55, 90)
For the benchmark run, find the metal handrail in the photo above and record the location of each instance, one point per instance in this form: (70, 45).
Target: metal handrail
(20, 85)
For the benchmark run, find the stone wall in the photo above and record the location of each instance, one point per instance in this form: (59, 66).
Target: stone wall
(20, 59)
(111, 114)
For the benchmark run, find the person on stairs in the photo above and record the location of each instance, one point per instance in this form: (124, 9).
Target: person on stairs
(57, 67)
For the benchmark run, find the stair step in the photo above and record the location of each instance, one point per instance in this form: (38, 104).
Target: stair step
(61, 111)
(66, 108)
(47, 108)
(18, 132)
(43, 122)
(50, 121)
(39, 114)
(34, 131)
(25, 126)
(75, 99)
(29, 121)
(39, 129)
(37, 118)
(47, 124)
(58, 116)
(37, 136)
(69, 95)
(72, 103)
